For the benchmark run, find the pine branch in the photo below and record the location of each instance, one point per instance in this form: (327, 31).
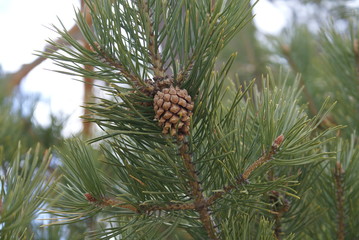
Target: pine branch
(280, 206)
(339, 192)
(112, 61)
(23, 189)
(172, 207)
(143, 208)
(106, 202)
(244, 177)
(156, 60)
(201, 204)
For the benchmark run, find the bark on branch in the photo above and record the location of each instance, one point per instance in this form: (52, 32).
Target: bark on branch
(200, 202)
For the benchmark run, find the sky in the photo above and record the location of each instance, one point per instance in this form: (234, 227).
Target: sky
(26, 25)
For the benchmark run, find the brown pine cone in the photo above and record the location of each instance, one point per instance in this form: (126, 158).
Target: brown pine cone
(173, 110)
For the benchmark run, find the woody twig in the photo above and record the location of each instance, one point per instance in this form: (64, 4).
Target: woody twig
(109, 202)
(200, 202)
(266, 157)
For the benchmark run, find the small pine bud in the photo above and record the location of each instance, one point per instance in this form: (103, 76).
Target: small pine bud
(90, 198)
(278, 141)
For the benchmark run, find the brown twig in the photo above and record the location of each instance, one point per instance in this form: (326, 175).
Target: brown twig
(109, 202)
(200, 202)
(244, 177)
(339, 191)
(213, 3)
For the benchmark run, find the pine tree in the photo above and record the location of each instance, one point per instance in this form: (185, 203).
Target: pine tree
(186, 151)
(27, 176)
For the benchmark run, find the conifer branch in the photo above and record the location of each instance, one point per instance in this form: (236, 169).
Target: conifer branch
(109, 202)
(106, 58)
(169, 207)
(339, 191)
(244, 177)
(281, 206)
(200, 202)
(225, 190)
(156, 60)
(143, 208)
(266, 157)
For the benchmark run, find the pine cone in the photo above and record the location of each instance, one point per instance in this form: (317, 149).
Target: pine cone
(173, 108)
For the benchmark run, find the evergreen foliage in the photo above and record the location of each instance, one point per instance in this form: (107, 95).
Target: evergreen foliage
(24, 186)
(265, 159)
(27, 177)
